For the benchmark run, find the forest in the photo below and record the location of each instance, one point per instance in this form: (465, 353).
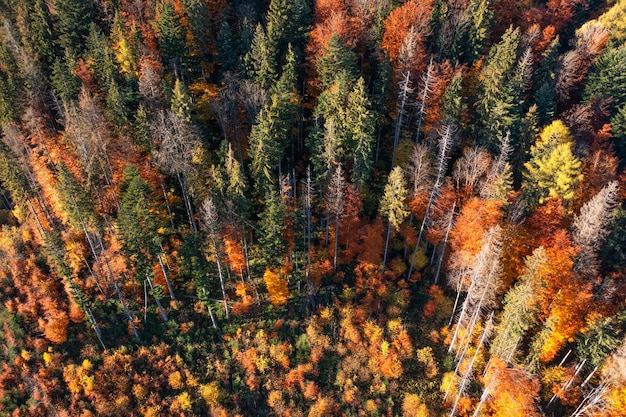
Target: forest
(228, 208)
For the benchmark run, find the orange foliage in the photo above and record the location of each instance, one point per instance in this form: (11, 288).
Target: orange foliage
(545, 221)
(476, 218)
(412, 15)
(513, 391)
(276, 286)
(234, 254)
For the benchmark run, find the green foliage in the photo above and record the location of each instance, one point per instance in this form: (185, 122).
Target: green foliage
(336, 60)
(171, 35)
(137, 223)
(607, 78)
(603, 336)
(76, 201)
(65, 84)
(74, 18)
(261, 60)
(498, 104)
(271, 228)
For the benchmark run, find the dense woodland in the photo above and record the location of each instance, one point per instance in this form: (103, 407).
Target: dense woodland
(313, 208)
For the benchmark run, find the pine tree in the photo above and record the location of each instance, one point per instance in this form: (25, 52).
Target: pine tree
(73, 20)
(75, 200)
(336, 59)
(261, 60)
(553, 170)
(265, 149)
(171, 36)
(520, 306)
(360, 120)
(480, 18)
(498, 100)
(137, 224)
(271, 228)
(65, 84)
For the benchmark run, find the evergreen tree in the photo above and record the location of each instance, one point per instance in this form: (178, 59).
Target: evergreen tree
(520, 307)
(607, 78)
(271, 228)
(137, 224)
(75, 200)
(474, 39)
(544, 96)
(336, 59)
(227, 49)
(360, 120)
(261, 59)
(74, 18)
(65, 84)
(37, 33)
(498, 98)
(266, 148)
(171, 36)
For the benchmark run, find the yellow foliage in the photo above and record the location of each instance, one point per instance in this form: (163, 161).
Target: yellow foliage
(87, 364)
(553, 170)
(124, 55)
(210, 393)
(184, 401)
(412, 406)
(175, 380)
(47, 357)
(25, 355)
(614, 19)
(276, 287)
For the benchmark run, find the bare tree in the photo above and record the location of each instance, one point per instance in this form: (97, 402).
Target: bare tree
(404, 97)
(211, 226)
(335, 202)
(175, 142)
(445, 144)
(590, 229)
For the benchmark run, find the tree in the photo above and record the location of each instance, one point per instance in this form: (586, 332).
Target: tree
(272, 227)
(336, 60)
(261, 60)
(171, 36)
(393, 204)
(360, 119)
(76, 202)
(553, 170)
(137, 224)
(181, 103)
(73, 20)
(211, 224)
(497, 106)
(480, 16)
(335, 205)
(591, 227)
(520, 307)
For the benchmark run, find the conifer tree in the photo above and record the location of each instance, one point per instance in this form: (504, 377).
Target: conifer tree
(261, 61)
(336, 59)
(360, 120)
(73, 20)
(75, 200)
(498, 100)
(171, 36)
(137, 224)
(520, 306)
(272, 227)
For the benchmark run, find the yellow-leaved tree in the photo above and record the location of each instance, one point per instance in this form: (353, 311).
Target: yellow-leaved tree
(553, 169)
